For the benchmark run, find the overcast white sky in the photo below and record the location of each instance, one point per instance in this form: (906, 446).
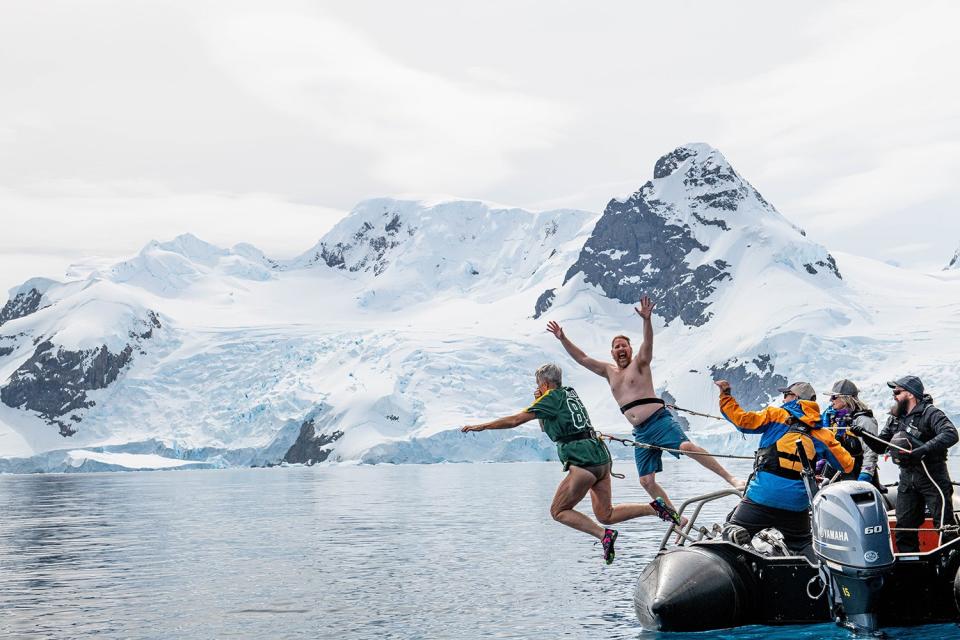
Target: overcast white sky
(122, 121)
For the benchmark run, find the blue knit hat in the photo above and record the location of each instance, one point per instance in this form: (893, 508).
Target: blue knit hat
(911, 384)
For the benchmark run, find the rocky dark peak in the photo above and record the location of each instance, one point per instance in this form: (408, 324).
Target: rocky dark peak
(635, 251)
(667, 164)
(712, 170)
(707, 169)
(20, 305)
(646, 246)
(655, 242)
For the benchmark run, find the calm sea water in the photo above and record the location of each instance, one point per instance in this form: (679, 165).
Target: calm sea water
(418, 551)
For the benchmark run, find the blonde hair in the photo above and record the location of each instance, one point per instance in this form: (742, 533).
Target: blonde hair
(852, 403)
(615, 338)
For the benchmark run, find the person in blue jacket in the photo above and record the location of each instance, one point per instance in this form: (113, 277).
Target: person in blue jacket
(775, 494)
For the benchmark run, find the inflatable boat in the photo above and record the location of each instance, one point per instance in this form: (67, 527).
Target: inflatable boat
(853, 576)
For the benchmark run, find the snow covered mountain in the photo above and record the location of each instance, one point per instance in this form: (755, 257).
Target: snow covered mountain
(415, 251)
(694, 228)
(411, 318)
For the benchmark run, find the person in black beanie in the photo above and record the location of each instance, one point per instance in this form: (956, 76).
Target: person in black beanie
(926, 432)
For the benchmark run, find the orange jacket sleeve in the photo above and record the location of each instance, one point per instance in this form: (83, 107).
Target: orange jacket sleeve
(748, 420)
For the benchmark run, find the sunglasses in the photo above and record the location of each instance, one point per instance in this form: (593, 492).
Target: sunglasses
(789, 395)
(832, 398)
(897, 392)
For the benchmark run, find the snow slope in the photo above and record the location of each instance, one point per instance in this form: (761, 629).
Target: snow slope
(411, 318)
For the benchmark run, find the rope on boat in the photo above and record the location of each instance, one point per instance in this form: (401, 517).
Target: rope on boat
(694, 413)
(643, 445)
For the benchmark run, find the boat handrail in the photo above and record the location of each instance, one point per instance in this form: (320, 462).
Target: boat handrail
(684, 532)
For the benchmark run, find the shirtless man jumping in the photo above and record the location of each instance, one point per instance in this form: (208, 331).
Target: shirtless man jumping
(631, 382)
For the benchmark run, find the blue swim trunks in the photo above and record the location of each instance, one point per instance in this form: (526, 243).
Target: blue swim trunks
(663, 430)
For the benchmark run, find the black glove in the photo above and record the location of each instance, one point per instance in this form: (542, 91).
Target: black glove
(913, 456)
(856, 430)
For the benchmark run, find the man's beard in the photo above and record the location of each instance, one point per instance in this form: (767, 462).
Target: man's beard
(900, 408)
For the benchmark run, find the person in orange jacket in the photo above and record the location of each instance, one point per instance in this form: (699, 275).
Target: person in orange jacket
(775, 494)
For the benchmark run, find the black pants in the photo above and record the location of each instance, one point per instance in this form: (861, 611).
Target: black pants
(915, 491)
(794, 525)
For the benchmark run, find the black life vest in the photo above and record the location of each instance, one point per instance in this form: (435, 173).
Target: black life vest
(907, 438)
(852, 443)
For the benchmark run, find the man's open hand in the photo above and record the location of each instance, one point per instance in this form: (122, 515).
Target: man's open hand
(645, 309)
(555, 329)
(475, 427)
(724, 387)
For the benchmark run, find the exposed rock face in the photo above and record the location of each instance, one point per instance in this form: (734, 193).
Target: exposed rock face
(8, 345)
(634, 251)
(669, 163)
(22, 304)
(152, 322)
(829, 264)
(658, 242)
(370, 244)
(54, 381)
(954, 263)
(309, 447)
(544, 302)
(753, 382)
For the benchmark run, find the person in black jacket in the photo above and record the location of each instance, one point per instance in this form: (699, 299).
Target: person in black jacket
(915, 424)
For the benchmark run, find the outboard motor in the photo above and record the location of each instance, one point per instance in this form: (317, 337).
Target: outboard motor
(851, 539)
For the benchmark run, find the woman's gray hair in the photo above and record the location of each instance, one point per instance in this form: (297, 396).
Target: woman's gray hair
(551, 374)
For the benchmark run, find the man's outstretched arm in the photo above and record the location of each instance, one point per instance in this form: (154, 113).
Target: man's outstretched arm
(645, 311)
(575, 352)
(502, 423)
